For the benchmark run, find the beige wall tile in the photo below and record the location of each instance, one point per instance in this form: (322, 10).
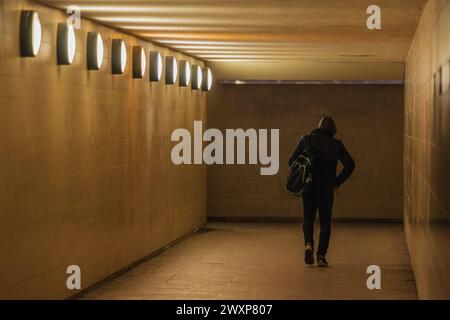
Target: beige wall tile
(426, 154)
(86, 176)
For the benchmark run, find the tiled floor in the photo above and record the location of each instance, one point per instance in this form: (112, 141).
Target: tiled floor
(265, 261)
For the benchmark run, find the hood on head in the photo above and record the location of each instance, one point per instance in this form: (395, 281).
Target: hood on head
(327, 124)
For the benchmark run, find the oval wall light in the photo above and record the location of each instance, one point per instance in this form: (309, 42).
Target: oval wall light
(118, 56)
(185, 73)
(30, 33)
(207, 79)
(94, 51)
(139, 62)
(196, 74)
(156, 66)
(171, 70)
(65, 47)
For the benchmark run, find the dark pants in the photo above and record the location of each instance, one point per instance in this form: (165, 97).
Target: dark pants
(319, 198)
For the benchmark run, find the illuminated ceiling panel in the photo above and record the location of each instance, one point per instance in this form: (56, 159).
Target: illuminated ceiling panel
(271, 30)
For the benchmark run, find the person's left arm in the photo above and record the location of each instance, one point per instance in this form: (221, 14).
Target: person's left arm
(348, 164)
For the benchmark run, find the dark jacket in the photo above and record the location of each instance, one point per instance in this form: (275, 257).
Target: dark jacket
(327, 152)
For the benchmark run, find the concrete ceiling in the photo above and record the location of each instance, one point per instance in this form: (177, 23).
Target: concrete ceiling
(331, 31)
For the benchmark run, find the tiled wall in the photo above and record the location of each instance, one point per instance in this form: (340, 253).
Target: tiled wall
(369, 120)
(427, 152)
(85, 170)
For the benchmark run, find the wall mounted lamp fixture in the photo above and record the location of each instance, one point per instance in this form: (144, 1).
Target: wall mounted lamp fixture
(30, 33)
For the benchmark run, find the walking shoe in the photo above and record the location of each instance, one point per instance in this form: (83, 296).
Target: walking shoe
(321, 261)
(309, 254)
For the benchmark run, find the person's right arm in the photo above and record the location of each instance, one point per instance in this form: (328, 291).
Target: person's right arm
(297, 151)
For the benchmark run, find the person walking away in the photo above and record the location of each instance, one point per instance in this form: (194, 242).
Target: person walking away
(319, 195)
